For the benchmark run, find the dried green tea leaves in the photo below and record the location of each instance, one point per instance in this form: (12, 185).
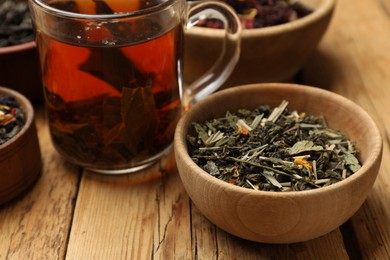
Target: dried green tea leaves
(303, 146)
(272, 150)
(12, 118)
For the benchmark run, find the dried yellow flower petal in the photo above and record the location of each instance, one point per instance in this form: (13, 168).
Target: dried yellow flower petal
(302, 161)
(242, 130)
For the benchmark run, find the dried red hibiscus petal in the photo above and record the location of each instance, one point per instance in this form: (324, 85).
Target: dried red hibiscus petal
(262, 13)
(11, 118)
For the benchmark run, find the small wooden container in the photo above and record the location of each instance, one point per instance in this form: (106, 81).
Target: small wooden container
(20, 157)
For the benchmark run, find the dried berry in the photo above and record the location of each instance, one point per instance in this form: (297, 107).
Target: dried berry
(262, 13)
(12, 118)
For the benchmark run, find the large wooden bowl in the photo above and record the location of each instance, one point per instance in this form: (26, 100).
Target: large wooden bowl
(20, 157)
(276, 217)
(271, 54)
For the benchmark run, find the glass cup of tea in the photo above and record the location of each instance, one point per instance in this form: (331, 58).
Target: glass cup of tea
(112, 75)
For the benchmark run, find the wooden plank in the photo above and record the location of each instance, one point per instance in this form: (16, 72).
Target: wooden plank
(36, 224)
(143, 215)
(354, 60)
(210, 242)
(372, 222)
(148, 215)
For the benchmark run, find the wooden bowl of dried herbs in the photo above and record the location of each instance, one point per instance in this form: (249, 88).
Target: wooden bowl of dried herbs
(20, 156)
(19, 60)
(277, 162)
(278, 37)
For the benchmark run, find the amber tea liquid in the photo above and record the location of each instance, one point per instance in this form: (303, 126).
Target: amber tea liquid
(111, 104)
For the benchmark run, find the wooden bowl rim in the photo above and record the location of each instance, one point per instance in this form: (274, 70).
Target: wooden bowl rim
(180, 144)
(17, 48)
(28, 111)
(325, 8)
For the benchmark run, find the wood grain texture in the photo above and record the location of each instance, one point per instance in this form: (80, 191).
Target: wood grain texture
(36, 224)
(210, 242)
(353, 60)
(143, 215)
(149, 215)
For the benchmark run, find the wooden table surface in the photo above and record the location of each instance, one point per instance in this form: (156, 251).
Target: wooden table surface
(74, 214)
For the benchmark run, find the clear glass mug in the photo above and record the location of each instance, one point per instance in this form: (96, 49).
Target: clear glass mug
(112, 75)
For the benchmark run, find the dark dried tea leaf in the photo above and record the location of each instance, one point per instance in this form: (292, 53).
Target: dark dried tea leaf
(102, 7)
(139, 116)
(272, 150)
(15, 23)
(119, 70)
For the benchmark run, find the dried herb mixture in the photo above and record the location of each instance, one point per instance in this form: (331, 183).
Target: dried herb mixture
(15, 23)
(12, 118)
(262, 13)
(272, 150)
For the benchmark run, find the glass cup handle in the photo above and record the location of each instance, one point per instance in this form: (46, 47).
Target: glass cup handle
(227, 60)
